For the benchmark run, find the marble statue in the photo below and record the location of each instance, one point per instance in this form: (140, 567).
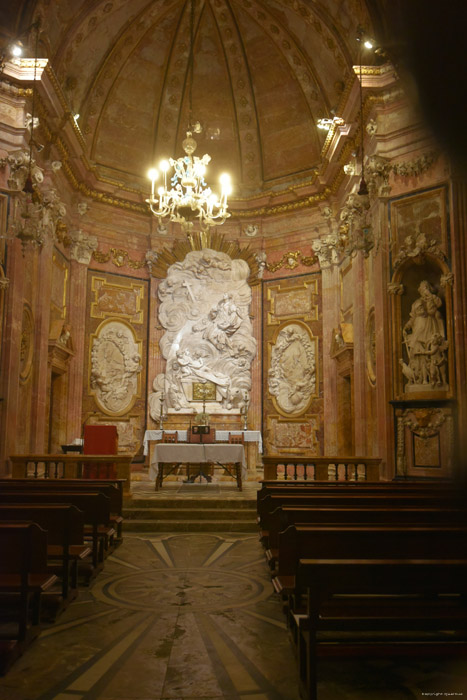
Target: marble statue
(425, 342)
(204, 310)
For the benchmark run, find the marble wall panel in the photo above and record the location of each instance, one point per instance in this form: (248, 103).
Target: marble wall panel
(292, 365)
(115, 373)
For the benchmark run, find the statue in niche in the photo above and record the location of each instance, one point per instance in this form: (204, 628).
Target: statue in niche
(204, 310)
(425, 341)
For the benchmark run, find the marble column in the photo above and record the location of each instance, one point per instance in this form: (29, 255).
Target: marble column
(77, 321)
(11, 411)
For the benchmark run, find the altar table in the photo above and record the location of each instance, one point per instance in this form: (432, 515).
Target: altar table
(252, 439)
(193, 453)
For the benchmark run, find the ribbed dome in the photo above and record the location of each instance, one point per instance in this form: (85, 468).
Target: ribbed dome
(264, 72)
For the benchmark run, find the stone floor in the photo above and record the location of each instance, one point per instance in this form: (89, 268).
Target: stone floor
(179, 616)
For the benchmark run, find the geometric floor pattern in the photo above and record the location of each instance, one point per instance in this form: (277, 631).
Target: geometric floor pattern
(194, 616)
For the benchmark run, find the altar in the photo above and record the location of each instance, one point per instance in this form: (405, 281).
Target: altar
(253, 445)
(176, 454)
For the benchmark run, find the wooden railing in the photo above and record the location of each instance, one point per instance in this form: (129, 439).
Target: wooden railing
(322, 468)
(69, 466)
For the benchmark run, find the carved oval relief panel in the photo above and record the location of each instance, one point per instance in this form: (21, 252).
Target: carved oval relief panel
(115, 367)
(292, 371)
(27, 343)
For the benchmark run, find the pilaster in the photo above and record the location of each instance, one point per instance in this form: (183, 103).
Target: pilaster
(459, 261)
(359, 374)
(77, 320)
(11, 358)
(41, 379)
(330, 296)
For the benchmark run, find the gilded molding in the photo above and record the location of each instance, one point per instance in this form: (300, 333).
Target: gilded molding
(119, 257)
(291, 260)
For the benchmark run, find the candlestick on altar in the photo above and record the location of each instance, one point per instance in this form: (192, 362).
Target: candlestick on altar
(244, 411)
(161, 415)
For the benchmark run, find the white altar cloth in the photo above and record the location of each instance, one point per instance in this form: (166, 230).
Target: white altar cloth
(196, 454)
(221, 436)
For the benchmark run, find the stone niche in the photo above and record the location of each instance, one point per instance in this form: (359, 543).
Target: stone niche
(208, 342)
(422, 331)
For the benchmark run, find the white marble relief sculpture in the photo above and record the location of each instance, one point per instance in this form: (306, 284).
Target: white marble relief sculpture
(425, 343)
(204, 309)
(292, 375)
(115, 367)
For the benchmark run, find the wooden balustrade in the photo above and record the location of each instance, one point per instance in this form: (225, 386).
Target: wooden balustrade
(323, 468)
(68, 466)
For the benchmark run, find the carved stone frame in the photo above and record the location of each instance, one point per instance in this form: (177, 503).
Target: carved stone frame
(296, 416)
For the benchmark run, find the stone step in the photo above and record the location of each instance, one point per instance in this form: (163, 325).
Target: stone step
(190, 513)
(151, 526)
(196, 504)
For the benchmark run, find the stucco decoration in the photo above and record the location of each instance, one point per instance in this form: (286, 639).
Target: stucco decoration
(204, 309)
(292, 374)
(18, 162)
(424, 338)
(377, 171)
(326, 249)
(416, 246)
(115, 367)
(26, 351)
(82, 247)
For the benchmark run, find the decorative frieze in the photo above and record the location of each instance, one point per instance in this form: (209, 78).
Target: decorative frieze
(291, 260)
(119, 257)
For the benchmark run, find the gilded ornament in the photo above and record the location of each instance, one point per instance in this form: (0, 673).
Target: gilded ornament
(291, 260)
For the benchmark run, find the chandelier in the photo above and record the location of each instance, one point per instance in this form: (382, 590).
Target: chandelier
(188, 198)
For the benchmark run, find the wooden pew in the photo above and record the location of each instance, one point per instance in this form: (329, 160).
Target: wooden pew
(23, 579)
(65, 538)
(95, 506)
(313, 487)
(432, 624)
(113, 488)
(345, 498)
(284, 516)
(363, 542)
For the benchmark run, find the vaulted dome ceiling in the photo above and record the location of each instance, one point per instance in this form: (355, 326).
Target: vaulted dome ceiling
(264, 73)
